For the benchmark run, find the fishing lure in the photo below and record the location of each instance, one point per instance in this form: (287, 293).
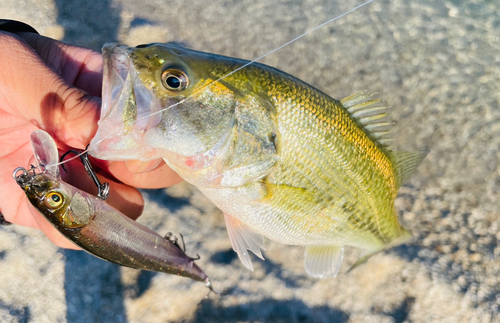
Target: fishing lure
(94, 225)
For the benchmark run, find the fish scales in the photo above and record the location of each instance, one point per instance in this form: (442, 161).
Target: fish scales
(335, 128)
(280, 158)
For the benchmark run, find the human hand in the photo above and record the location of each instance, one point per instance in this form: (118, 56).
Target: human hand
(45, 84)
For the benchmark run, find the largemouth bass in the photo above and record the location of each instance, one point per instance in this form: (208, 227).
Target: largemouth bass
(280, 158)
(96, 226)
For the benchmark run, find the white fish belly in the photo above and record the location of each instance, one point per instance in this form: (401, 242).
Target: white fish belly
(244, 204)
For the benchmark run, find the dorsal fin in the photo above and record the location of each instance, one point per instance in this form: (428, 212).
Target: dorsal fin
(405, 163)
(373, 118)
(371, 115)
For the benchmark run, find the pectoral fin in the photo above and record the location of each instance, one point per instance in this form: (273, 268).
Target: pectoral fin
(243, 239)
(323, 261)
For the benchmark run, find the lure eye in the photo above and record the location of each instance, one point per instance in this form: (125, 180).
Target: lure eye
(174, 79)
(53, 200)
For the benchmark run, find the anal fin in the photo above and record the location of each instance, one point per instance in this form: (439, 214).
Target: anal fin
(323, 261)
(243, 239)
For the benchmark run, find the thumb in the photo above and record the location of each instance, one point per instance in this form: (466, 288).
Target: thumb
(31, 90)
(69, 115)
(78, 66)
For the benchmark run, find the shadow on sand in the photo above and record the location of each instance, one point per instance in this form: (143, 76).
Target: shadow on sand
(94, 291)
(268, 310)
(88, 23)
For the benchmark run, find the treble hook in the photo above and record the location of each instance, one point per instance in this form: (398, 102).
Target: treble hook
(173, 239)
(102, 189)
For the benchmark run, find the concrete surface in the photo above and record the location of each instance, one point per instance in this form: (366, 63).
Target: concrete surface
(437, 63)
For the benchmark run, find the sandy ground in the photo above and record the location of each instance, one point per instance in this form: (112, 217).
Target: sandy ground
(437, 63)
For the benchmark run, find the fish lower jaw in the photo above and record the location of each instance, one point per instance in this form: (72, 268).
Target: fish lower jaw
(118, 147)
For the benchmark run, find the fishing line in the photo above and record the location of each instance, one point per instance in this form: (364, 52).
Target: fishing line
(70, 159)
(249, 63)
(223, 77)
(61, 162)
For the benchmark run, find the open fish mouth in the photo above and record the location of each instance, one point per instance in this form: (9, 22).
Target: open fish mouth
(127, 109)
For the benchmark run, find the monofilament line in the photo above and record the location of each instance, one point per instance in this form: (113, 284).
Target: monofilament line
(61, 162)
(70, 159)
(293, 40)
(247, 64)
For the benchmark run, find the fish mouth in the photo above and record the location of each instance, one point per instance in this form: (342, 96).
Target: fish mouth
(127, 110)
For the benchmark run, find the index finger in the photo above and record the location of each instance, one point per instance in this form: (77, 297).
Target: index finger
(32, 91)
(78, 66)
(159, 177)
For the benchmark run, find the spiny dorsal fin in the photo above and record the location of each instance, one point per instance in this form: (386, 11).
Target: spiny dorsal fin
(371, 115)
(405, 162)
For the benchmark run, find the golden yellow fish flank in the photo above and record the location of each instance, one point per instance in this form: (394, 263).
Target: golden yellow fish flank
(280, 158)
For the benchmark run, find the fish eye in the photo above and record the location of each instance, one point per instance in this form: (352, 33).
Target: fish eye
(53, 200)
(174, 79)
